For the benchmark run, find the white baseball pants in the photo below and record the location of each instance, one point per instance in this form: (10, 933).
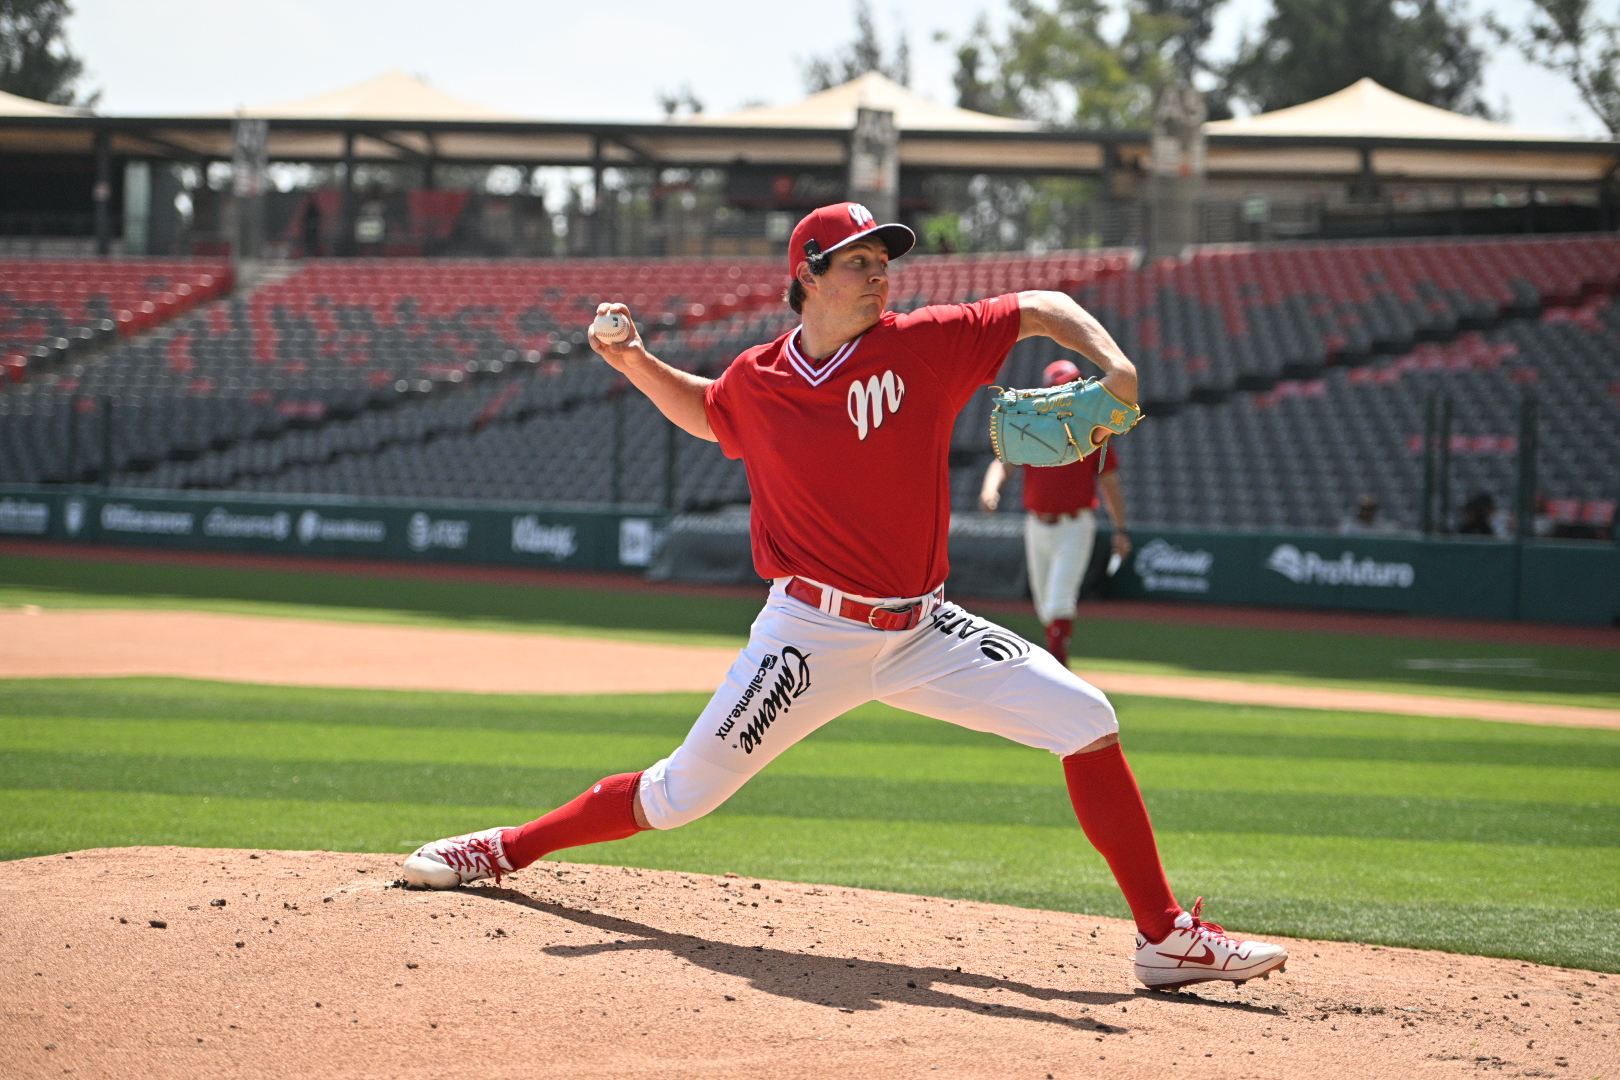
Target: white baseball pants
(1057, 556)
(803, 667)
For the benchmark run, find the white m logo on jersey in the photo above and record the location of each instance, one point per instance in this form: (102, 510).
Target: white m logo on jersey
(867, 399)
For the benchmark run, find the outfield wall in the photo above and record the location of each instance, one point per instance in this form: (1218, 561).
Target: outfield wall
(1457, 577)
(431, 532)
(1545, 581)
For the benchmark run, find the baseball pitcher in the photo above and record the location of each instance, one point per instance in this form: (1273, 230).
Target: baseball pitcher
(844, 427)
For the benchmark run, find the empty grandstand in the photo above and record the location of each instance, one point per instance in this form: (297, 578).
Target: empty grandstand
(52, 311)
(1282, 383)
(346, 356)
(1299, 454)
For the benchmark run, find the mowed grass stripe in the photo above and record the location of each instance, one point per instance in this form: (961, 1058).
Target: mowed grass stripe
(1294, 867)
(1516, 902)
(536, 790)
(1334, 824)
(1150, 725)
(1002, 763)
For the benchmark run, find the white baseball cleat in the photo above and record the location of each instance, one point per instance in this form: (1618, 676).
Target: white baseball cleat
(1197, 951)
(457, 860)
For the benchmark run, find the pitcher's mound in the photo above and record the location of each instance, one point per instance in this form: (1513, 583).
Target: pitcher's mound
(186, 962)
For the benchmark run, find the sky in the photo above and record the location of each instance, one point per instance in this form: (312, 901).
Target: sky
(574, 61)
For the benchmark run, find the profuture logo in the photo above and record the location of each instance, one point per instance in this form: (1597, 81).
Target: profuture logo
(1309, 568)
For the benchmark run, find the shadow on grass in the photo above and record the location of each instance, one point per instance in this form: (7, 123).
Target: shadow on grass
(840, 982)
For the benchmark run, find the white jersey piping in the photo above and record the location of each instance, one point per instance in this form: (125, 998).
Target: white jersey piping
(817, 376)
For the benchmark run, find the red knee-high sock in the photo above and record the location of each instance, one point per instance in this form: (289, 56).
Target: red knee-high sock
(1109, 806)
(1057, 639)
(600, 814)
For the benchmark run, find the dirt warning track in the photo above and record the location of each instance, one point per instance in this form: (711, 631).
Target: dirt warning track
(310, 652)
(174, 962)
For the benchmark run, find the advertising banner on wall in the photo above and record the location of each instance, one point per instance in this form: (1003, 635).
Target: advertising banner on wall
(586, 540)
(1456, 577)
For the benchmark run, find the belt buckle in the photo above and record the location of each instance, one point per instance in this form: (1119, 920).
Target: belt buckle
(892, 609)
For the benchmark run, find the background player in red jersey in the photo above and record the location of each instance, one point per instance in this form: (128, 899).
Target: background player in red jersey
(844, 426)
(1060, 525)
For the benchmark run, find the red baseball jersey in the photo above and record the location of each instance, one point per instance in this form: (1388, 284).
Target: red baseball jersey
(848, 457)
(1065, 489)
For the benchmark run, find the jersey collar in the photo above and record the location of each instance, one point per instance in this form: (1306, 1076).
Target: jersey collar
(813, 375)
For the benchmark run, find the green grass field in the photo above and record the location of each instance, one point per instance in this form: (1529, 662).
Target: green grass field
(1475, 837)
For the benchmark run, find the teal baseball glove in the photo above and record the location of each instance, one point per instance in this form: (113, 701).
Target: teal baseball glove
(1054, 426)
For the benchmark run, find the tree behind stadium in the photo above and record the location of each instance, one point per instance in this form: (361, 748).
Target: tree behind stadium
(1568, 37)
(34, 58)
(1308, 49)
(1060, 64)
(864, 54)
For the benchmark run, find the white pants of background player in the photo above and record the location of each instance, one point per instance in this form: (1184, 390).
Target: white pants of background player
(1057, 556)
(803, 667)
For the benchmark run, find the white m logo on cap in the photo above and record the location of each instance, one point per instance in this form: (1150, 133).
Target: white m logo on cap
(863, 217)
(866, 401)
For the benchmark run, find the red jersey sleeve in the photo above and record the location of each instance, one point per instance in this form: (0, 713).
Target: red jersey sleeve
(966, 344)
(720, 406)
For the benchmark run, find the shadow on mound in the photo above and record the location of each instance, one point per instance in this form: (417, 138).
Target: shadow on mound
(840, 982)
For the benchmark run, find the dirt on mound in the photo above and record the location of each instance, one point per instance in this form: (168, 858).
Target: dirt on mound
(183, 962)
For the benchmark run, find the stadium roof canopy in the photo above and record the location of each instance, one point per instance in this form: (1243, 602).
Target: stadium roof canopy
(1363, 130)
(12, 105)
(1368, 128)
(396, 117)
(1365, 109)
(393, 95)
(835, 108)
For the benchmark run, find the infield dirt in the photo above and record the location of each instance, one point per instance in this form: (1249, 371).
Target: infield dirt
(314, 652)
(280, 964)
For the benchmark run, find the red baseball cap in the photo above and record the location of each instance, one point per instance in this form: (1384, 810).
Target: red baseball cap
(1059, 372)
(831, 227)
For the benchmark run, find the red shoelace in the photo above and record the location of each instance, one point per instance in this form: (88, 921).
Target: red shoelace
(1208, 929)
(480, 854)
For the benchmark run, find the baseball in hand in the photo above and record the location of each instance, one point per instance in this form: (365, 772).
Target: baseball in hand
(611, 327)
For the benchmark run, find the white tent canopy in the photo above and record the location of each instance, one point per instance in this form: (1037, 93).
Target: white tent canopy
(393, 95)
(835, 108)
(12, 105)
(1365, 109)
